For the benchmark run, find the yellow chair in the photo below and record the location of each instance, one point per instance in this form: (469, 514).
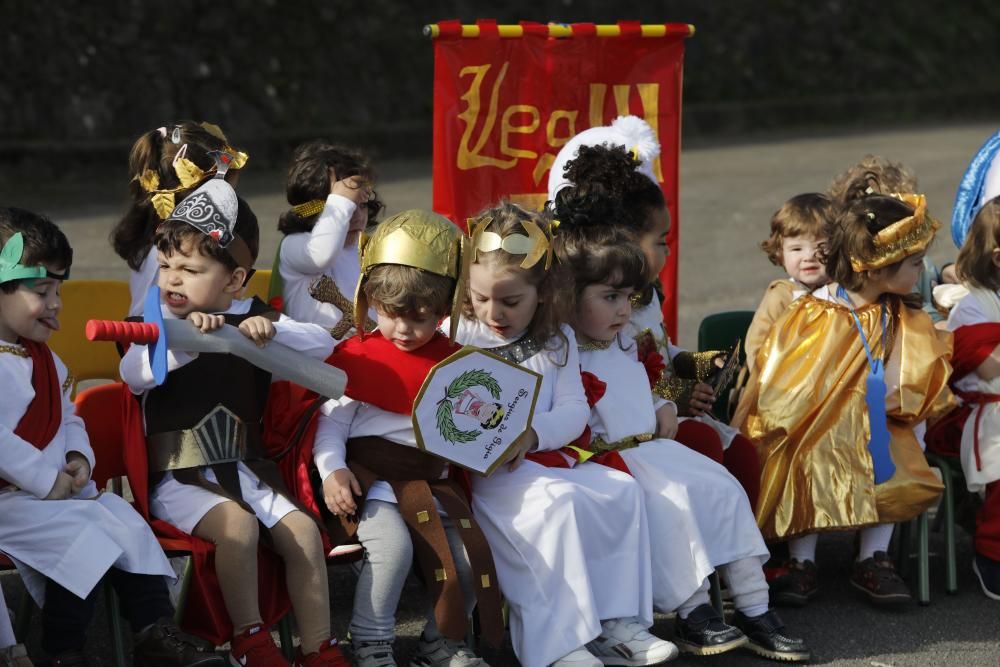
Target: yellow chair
(258, 286)
(84, 300)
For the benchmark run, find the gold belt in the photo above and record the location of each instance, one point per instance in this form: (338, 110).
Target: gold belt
(221, 437)
(599, 446)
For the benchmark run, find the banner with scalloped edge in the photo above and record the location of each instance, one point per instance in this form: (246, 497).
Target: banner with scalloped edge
(506, 98)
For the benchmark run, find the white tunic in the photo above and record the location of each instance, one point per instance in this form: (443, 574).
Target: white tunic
(140, 281)
(978, 307)
(699, 515)
(571, 546)
(307, 256)
(650, 318)
(184, 505)
(73, 541)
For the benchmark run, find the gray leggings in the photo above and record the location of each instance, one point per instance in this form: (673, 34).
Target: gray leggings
(388, 558)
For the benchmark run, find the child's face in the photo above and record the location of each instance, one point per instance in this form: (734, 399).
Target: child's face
(905, 277)
(653, 242)
(31, 312)
(193, 283)
(502, 298)
(602, 311)
(408, 332)
(799, 255)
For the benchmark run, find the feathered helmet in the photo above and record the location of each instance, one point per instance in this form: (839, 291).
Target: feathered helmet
(980, 184)
(630, 132)
(421, 239)
(213, 209)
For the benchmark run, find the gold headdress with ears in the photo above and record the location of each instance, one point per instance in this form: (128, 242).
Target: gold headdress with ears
(902, 238)
(188, 173)
(423, 240)
(534, 246)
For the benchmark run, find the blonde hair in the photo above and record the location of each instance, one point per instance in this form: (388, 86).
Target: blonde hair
(808, 214)
(555, 293)
(975, 260)
(873, 175)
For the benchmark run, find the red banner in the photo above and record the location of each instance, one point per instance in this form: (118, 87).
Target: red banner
(503, 107)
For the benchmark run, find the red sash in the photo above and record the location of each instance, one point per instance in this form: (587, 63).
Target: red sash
(973, 344)
(42, 420)
(594, 388)
(381, 374)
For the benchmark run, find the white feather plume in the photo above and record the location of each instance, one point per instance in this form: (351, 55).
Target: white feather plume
(640, 136)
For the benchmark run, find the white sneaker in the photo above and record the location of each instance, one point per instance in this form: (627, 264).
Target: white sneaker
(373, 654)
(581, 657)
(445, 653)
(626, 642)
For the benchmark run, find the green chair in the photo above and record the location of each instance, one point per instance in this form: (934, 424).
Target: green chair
(720, 332)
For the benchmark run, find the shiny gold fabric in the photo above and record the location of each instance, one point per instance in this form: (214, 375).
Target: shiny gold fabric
(808, 418)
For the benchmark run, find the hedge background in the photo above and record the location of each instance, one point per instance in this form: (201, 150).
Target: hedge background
(87, 77)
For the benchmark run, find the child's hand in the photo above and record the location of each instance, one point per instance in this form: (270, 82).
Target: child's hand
(259, 329)
(522, 446)
(355, 188)
(702, 399)
(78, 468)
(63, 487)
(339, 490)
(666, 421)
(206, 323)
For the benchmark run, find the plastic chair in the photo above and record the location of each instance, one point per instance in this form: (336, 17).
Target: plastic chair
(85, 300)
(259, 285)
(954, 482)
(720, 332)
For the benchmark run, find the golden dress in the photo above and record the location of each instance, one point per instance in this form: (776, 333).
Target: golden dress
(808, 417)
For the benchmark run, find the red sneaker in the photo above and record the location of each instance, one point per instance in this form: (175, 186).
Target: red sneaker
(329, 655)
(254, 647)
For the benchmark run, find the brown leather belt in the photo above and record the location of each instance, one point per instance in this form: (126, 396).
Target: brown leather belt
(415, 478)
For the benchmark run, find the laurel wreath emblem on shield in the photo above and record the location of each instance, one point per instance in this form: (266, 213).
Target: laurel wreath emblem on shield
(445, 421)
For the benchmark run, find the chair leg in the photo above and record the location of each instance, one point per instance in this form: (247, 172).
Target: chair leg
(285, 634)
(115, 621)
(951, 560)
(923, 561)
(715, 592)
(182, 596)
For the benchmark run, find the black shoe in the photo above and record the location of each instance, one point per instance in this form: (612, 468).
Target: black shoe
(68, 659)
(164, 645)
(704, 632)
(988, 572)
(768, 639)
(876, 577)
(797, 583)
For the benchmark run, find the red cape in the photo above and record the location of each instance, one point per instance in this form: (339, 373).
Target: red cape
(382, 375)
(973, 344)
(43, 418)
(205, 613)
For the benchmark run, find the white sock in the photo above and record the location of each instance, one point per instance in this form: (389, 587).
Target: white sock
(699, 598)
(803, 548)
(747, 584)
(875, 538)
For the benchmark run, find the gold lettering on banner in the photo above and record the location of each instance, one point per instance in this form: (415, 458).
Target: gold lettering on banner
(526, 119)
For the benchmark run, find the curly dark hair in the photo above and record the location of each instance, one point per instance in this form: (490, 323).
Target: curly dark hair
(809, 213)
(607, 188)
(873, 175)
(44, 242)
(309, 179)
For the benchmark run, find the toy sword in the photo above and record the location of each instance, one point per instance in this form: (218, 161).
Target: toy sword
(162, 334)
